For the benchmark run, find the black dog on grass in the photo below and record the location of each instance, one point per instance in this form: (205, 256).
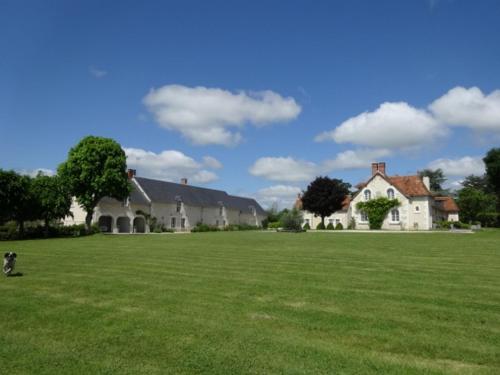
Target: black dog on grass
(9, 262)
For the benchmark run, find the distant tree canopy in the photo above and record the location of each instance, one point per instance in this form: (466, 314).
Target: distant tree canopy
(324, 196)
(95, 168)
(53, 198)
(476, 182)
(436, 177)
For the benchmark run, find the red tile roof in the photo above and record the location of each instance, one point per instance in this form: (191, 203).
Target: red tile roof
(448, 204)
(411, 186)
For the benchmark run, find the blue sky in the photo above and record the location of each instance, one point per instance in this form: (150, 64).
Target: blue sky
(253, 97)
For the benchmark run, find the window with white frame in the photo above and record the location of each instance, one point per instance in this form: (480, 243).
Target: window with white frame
(395, 215)
(364, 216)
(221, 210)
(390, 193)
(330, 221)
(172, 222)
(368, 195)
(417, 208)
(179, 206)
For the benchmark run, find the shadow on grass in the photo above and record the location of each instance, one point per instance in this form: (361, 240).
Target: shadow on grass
(17, 274)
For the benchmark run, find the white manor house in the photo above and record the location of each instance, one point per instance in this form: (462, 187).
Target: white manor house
(179, 207)
(419, 208)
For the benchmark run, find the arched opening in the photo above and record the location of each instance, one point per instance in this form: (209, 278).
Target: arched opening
(123, 224)
(139, 225)
(105, 224)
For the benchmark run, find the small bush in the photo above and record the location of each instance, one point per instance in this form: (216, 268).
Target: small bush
(274, 225)
(205, 228)
(320, 226)
(352, 224)
(330, 226)
(292, 220)
(339, 226)
(306, 226)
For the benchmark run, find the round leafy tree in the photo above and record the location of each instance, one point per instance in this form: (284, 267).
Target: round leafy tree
(324, 196)
(377, 210)
(492, 163)
(95, 168)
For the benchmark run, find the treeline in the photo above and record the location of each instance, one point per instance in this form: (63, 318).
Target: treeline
(95, 168)
(479, 197)
(42, 200)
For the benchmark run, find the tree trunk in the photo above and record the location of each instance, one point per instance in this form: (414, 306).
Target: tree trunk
(21, 228)
(323, 220)
(88, 220)
(46, 229)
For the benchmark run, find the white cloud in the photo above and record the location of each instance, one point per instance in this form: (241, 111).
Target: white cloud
(285, 169)
(34, 172)
(204, 176)
(97, 73)
(459, 167)
(469, 107)
(355, 159)
(206, 115)
(169, 165)
(283, 196)
(392, 125)
(211, 162)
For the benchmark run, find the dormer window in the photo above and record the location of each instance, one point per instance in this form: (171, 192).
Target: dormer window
(368, 195)
(252, 209)
(221, 208)
(390, 193)
(179, 206)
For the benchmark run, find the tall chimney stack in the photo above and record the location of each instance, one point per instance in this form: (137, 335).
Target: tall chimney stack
(131, 173)
(381, 167)
(184, 181)
(374, 168)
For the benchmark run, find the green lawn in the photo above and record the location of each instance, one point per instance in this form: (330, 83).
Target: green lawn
(253, 302)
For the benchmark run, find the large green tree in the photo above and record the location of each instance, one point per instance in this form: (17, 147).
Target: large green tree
(474, 203)
(324, 196)
(436, 177)
(53, 198)
(17, 201)
(95, 168)
(492, 163)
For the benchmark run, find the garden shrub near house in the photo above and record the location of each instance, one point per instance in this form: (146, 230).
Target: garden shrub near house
(377, 210)
(292, 221)
(339, 226)
(330, 226)
(306, 226)
(320, 226)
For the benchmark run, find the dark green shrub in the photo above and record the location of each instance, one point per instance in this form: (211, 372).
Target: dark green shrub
(330, 226)
(489, 219)
(339, 226)
(205, 228)
(306, 226)
(320, 226)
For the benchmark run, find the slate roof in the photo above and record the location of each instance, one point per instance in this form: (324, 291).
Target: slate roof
(135, 197)
(169, 192)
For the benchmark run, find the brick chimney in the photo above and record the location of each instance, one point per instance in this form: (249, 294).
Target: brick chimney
(184, 181)
(131, 173)
(298, 202)
(378, 167)
(381, 167)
